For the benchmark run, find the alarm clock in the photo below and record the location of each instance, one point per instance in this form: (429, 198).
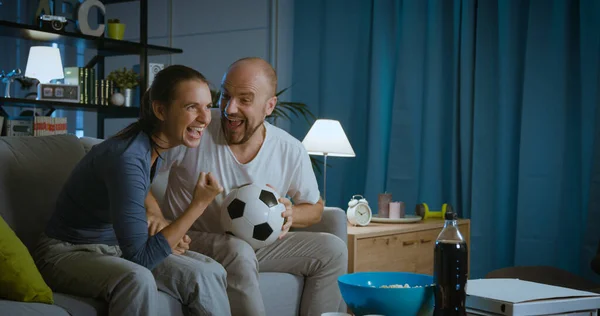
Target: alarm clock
(359, 212)
(58, 92)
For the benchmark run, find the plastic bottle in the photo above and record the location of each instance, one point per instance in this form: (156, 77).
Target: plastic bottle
(450, 270)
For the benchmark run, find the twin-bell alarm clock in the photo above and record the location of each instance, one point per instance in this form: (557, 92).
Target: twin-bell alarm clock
(359, 212)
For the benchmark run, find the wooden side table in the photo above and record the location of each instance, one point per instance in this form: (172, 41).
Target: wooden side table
(397, 247)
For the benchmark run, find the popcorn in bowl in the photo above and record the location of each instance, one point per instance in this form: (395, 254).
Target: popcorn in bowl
(399, 286)
(395, 286)
(388, 293)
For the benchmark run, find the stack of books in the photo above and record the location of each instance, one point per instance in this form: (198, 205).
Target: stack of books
(35, 126)
(91, 90)
(46, 125)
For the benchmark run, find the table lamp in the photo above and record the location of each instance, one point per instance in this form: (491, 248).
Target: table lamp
(44, 64)
(327, 138)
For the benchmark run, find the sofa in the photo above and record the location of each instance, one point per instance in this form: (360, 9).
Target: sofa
(32, 172)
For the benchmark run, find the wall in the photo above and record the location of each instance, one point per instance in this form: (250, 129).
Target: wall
(212, 34)
(13, 52)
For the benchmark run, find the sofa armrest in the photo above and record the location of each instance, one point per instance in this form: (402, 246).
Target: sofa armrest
(333, 221)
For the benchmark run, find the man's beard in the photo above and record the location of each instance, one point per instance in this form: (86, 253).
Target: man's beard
(248, 131)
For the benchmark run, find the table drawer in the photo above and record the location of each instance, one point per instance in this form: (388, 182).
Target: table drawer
(397, 247)
(427, 246)
(400, 252)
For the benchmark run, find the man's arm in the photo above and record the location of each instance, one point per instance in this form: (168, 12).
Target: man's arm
(157, 221)
(152, 208)
(307, 214)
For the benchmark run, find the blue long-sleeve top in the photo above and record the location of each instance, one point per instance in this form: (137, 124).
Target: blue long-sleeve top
(102, 201)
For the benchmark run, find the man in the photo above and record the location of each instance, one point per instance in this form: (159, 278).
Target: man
(239, 148)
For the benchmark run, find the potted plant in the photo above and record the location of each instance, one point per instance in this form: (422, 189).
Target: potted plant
(124, 79)
(116, 29)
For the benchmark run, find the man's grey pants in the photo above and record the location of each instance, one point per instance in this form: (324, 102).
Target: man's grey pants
(97, 271)
(318, 257)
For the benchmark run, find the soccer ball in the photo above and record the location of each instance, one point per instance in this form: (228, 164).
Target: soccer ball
(253, 213)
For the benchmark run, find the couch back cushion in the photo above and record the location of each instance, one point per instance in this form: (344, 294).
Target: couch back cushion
(32, 173)
(159, 184)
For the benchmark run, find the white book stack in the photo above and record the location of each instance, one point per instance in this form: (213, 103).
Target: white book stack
(46, 125)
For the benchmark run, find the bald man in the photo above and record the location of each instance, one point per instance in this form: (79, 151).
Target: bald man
(240, 147)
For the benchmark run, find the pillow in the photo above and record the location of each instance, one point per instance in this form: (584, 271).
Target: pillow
(20, 279)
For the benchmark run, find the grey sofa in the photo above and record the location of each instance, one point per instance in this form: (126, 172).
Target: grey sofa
(32, 172)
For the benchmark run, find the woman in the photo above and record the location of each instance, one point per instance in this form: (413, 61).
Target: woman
(97, 244)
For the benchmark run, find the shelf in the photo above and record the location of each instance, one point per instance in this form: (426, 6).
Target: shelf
(105, 2)
(108, 111)
(104, 46)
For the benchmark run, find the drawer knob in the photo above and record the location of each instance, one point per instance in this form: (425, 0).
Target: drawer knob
(424, 241)
(408, 243)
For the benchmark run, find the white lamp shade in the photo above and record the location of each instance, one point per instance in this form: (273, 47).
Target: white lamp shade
(328, 137)
(44, 64)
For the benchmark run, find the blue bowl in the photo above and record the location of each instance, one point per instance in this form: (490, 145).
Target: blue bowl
(364, 295)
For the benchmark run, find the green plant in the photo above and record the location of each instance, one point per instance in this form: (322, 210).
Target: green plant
(124, 78)
(283, 109)
(286, 110)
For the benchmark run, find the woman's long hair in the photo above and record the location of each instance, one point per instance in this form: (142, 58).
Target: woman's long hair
(162, 90)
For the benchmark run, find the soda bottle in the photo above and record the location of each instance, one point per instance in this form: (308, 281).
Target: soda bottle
(450, 270)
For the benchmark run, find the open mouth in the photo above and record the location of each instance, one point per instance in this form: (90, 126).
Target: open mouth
(234, 123)
(194, 132)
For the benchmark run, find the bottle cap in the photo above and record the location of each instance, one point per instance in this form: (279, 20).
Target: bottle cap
(450, 216)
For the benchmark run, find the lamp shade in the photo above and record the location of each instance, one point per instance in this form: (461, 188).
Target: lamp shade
(44, 64)
(327, 137)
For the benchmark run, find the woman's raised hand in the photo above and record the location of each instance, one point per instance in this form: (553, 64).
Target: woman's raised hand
(206, 189)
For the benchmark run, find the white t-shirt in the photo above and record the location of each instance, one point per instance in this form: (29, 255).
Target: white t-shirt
(282, 162)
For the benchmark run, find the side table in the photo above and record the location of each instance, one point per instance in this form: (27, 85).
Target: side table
(397, 247)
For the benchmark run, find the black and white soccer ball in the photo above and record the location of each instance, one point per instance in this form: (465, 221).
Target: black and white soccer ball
(253, 213)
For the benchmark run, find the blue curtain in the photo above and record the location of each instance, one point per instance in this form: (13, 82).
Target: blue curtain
(488, 105)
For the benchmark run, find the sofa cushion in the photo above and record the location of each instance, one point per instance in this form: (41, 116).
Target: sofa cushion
(13, 308)
(76, 305)
(70, 305)
(32, 173)
(281, 293)
(20, 279)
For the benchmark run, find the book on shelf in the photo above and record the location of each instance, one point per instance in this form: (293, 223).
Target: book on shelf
(46, 125)
(36, 126)
(91, 89)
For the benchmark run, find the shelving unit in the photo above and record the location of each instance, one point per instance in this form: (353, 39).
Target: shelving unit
(105, 47)
(112, 111)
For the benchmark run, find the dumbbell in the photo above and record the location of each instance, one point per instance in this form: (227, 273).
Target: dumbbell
(423, 210)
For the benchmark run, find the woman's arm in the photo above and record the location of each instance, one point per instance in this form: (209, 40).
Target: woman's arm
(127, 185)
(205, 191)
(156, 220)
